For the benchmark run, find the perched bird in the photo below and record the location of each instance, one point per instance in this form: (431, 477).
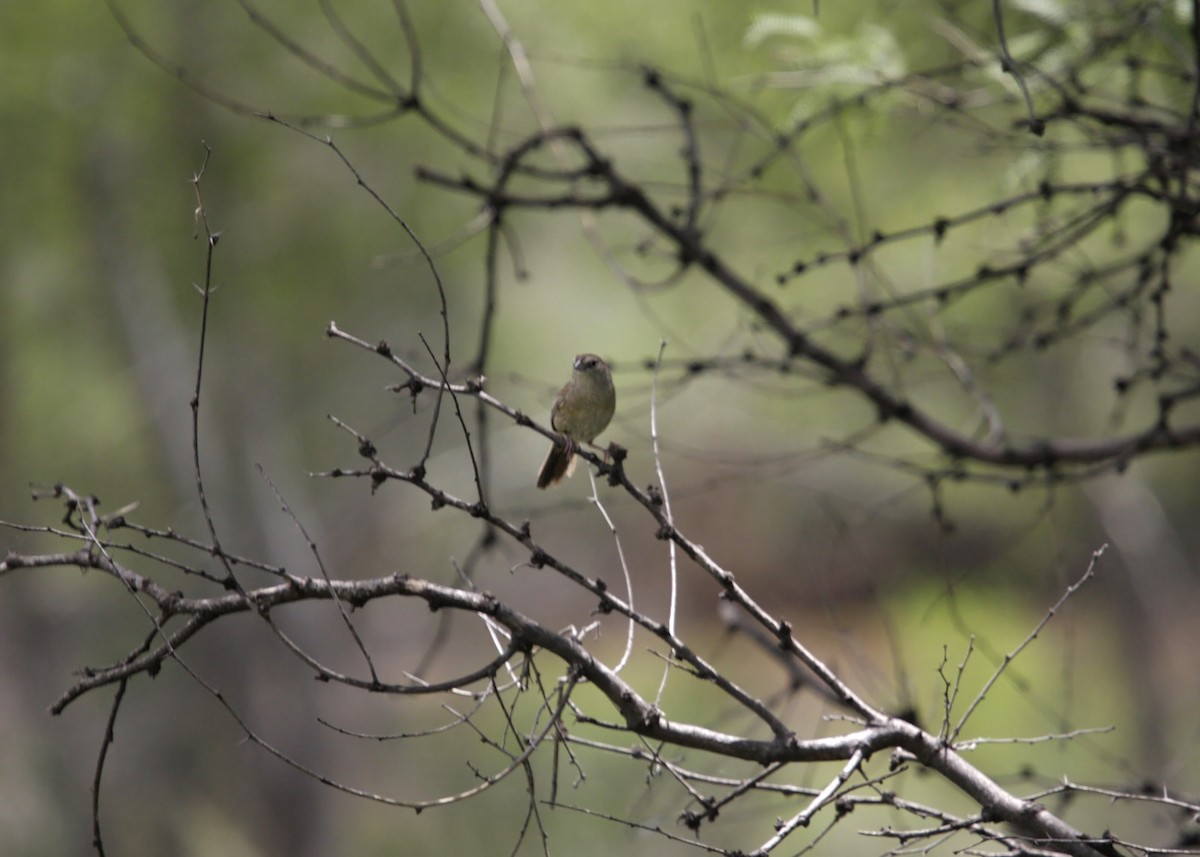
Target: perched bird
(582, 410)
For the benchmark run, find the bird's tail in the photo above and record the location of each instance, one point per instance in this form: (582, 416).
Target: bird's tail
(560, 463)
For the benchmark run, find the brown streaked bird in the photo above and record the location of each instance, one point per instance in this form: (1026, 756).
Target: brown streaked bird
(583, 409)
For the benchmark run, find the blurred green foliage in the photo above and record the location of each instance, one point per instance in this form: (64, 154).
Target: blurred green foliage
(99, 335)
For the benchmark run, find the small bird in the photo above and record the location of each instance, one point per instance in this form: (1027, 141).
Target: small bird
(582, 410)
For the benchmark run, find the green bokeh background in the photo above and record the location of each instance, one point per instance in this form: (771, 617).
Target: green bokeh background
(99, 330)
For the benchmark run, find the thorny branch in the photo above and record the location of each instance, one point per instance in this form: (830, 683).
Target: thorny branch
(676, 222)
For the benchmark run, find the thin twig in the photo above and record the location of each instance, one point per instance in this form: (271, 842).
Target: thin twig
(1008, 658)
